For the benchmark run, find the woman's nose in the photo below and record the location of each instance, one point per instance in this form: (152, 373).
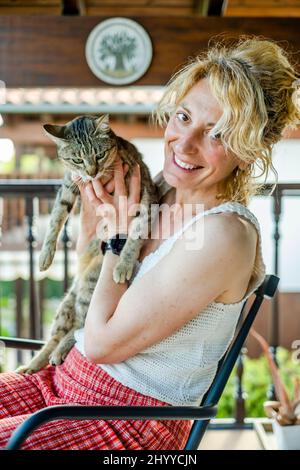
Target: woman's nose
(186, 144)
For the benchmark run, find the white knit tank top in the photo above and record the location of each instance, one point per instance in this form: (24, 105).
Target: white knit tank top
(179, 369)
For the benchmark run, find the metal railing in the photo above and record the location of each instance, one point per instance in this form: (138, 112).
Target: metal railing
(30, 190)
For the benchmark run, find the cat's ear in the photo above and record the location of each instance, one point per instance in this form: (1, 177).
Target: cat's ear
(102, 123)
(56, 133)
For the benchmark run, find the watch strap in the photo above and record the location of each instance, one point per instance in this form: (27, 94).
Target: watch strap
(114, 244)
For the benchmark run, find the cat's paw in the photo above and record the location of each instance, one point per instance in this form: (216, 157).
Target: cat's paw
(46, 258)
(57, 357)
(25, 370)
(122, 272)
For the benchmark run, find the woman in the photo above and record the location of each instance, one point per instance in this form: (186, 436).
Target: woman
(157, 339)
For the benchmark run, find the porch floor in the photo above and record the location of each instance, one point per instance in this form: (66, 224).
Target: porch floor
(224, 435)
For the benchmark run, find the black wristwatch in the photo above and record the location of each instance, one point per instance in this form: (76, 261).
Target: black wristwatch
(114, 244)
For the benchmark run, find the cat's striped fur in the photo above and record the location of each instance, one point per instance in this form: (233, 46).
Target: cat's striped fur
(88, 147)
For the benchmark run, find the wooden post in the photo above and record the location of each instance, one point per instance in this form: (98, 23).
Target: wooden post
(41, 294)
(66, 243)
(239, 395)
(19, 315)
(34, 313)
(274, 323)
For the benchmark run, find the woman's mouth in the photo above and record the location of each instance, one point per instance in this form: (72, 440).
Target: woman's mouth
(185, 166)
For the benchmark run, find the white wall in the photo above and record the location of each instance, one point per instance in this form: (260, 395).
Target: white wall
(286, 158)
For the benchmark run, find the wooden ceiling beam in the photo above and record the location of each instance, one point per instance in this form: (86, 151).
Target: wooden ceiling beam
(49, 51)
(31, 7)
(216, 7)
(71, 7)
(262, 8)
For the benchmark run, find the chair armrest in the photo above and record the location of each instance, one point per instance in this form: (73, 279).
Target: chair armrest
(22, 343)
(106, 412)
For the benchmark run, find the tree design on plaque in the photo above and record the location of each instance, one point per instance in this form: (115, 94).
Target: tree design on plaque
(117, 52)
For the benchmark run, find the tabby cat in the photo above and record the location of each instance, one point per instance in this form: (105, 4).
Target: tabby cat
(88, 147)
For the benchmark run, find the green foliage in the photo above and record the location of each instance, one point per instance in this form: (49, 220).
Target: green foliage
(7, 167)
(4, 302)
(53, 289)
(39, 162)
(53, 294)
(256, 382)
(29, 163)
(4, 331)
(6, 290)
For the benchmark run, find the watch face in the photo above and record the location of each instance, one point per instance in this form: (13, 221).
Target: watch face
(116, 244)
(103, 247)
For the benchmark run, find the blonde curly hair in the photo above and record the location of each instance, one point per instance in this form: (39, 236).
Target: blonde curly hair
(256, 85)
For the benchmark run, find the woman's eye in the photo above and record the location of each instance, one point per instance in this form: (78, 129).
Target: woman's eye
(179, 116)
(77, 160)
(215, 136)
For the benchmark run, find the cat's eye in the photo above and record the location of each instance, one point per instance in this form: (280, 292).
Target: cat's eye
(77, 160)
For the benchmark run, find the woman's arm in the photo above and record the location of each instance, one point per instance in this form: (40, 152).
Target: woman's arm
(104, 301)
(118, 211)
(170, 294)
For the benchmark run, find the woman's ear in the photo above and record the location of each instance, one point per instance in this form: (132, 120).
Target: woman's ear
(243, 165)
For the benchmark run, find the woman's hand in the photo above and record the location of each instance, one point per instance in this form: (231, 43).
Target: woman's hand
(88, 218)
(116, 212)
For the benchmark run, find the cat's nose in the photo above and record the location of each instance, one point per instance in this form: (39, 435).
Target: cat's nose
(93, 173)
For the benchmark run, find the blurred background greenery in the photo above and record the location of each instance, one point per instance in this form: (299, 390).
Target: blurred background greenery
(256, 382)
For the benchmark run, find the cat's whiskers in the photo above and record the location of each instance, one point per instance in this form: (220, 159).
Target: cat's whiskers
(88, 178)
(101, 173)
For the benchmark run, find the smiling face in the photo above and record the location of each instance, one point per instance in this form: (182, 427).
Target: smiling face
(194, 159)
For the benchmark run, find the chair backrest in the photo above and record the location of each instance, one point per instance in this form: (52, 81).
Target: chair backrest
(266, 290)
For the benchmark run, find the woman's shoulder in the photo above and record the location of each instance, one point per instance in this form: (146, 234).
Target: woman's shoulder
(237, 223)
(240, 242)
(236, 230)
(225, 237)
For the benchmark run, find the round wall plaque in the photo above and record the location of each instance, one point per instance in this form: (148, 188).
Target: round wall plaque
(118, 51)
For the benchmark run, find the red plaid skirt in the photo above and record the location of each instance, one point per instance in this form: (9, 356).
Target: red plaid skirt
(78, 381)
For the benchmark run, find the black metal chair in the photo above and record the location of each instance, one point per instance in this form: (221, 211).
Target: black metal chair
(201, 414)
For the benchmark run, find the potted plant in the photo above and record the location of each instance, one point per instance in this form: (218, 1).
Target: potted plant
(285, 413)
